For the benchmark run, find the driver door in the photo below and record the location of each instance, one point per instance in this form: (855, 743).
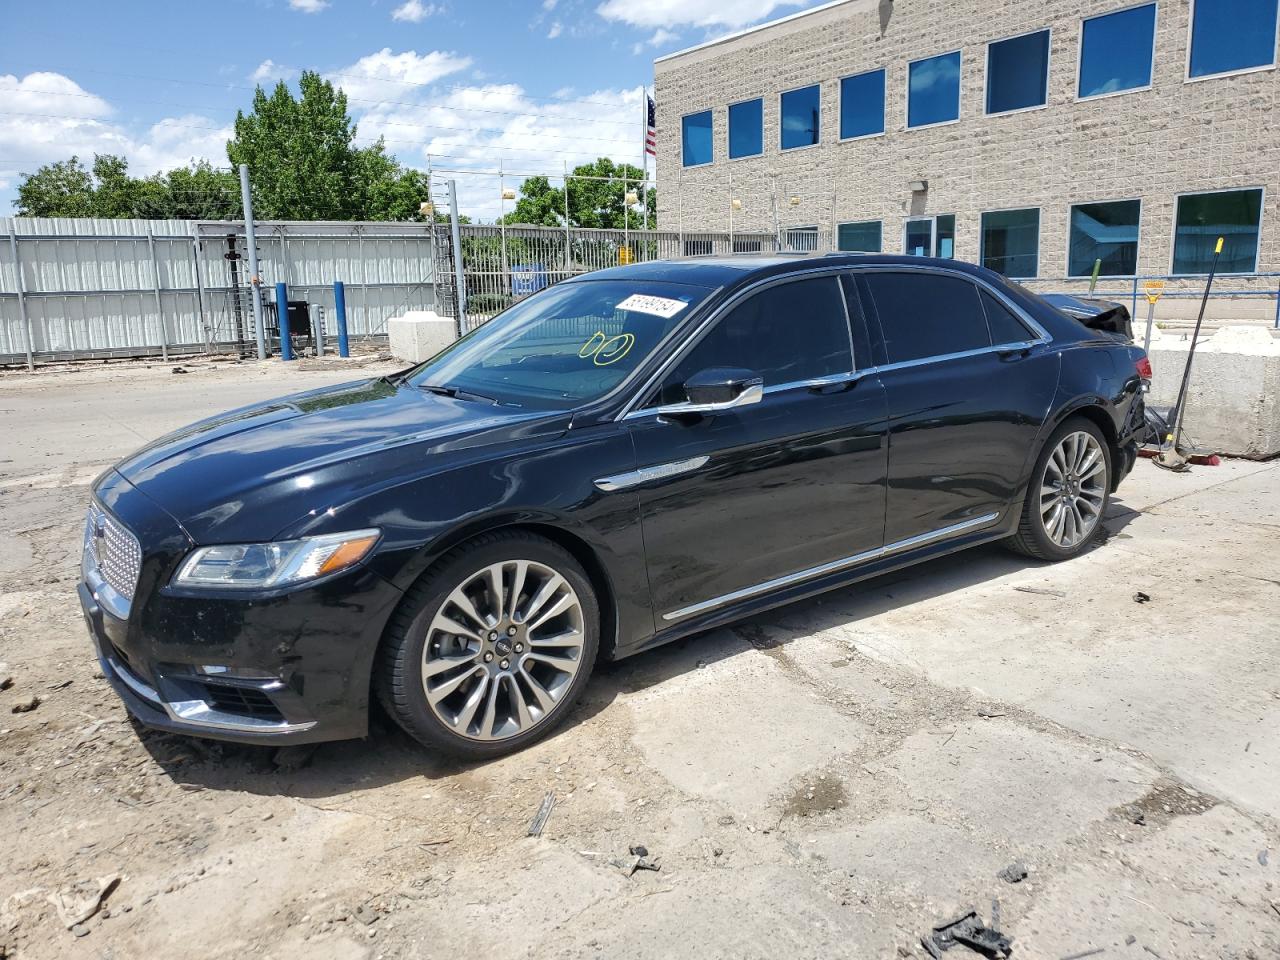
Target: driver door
(735, 499)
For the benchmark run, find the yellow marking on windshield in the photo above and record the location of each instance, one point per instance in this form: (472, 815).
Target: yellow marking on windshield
(604, 350)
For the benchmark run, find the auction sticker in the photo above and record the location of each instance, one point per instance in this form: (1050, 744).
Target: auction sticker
(658, 306)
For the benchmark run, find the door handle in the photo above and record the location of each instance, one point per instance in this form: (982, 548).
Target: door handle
(1016, 352)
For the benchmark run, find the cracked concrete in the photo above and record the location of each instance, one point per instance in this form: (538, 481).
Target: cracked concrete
(826, 780)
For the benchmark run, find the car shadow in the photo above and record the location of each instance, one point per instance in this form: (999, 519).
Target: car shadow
(388, 755)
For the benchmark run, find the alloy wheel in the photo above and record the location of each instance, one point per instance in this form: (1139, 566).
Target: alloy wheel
(1073, 489)
(502, 650)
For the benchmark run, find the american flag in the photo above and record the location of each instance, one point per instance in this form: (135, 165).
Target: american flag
(650, 130)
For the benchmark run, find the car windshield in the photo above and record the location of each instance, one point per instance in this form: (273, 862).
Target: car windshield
(561, 348)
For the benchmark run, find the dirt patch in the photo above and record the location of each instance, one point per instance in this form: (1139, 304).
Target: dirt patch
(815, 797)
(1165, 801)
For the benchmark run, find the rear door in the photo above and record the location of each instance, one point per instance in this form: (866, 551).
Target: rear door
(968, 383)
(773, 489)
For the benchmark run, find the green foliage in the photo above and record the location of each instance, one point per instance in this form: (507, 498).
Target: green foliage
(67, 189)
(592, 203)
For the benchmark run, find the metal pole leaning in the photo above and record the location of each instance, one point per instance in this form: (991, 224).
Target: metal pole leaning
(20, 286)
(340, 309)
(155, 284)
(459, 278)
(251, 241)
(282, 321)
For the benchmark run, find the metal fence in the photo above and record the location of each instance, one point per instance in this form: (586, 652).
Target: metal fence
(80, 288)
(505, 264)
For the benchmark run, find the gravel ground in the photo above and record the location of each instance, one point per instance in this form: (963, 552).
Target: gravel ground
(831, 779)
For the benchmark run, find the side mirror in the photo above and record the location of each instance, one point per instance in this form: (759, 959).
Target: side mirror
(717, 389)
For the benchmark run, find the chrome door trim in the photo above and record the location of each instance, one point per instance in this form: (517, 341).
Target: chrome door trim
(832, 567)
(661, 471)
(753, 392)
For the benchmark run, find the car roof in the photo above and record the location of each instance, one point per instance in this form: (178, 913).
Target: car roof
(726, 270)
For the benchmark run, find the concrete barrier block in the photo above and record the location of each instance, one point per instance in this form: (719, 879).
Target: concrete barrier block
(1233, 404)
(420, 334)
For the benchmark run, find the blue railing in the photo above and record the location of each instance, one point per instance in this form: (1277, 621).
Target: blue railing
(1263, 286)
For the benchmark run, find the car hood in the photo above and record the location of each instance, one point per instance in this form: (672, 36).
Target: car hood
(254, 472)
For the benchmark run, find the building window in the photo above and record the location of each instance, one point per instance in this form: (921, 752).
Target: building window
(862, 105)
(696, 139)
(1106, 232)
(1231, 35)
(1116, 51)
(800, 117)
(930, 236)
(861, 237)
(1011, 242)
(933, 90)
(746, 129)
(1234, 215)
(1018, 72)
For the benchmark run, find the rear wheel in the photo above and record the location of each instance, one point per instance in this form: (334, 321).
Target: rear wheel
(1068, 494)
(491, 648)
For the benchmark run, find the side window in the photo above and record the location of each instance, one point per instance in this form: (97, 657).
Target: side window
(1004, 326)
(927, 314)
(793, 331)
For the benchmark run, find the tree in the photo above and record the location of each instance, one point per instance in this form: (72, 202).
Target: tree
(387, 190)
(597, 202)
(62, 189)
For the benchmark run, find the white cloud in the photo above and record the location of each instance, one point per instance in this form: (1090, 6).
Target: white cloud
(414, 11)
(555, 31)
(548, 5)
(477, 127)
(61, 119)
(661, 37)
(396, 76)
(697, 13)
(270, 70)
(309, 6)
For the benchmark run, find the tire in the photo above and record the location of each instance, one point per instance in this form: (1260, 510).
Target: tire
(512, 671)
(1069, 453)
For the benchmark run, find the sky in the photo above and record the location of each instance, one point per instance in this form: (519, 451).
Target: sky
(528, 84)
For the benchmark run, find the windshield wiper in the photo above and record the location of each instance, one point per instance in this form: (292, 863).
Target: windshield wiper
(454, 392)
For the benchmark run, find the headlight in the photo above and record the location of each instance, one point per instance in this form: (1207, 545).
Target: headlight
(279, 564)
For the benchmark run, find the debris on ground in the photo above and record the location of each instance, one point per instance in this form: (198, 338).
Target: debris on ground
(1042, 592)
(986, 714)
(1262, 858)
(629, 865)
(1085, 953)
(967, 930)
(80, 901)
(26, 705)
(179, 370)
(1135, 815)
(639, 850)
(289, 759)
(1015, 872)
(1141, 597)
(6, 678)
(539, 821)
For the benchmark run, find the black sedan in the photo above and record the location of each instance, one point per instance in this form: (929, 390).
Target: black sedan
(623, 459)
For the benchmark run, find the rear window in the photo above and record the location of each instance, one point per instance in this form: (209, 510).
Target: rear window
(927, 314)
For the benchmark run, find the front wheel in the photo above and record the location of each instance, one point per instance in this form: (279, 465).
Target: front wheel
(490, 649)
(1068, 494)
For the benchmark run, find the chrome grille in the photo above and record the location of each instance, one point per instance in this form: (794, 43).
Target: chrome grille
(114, 550)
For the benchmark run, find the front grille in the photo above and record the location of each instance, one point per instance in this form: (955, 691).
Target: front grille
(242, 701)
(115, 551)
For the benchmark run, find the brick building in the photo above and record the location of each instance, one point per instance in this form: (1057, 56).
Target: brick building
(1034, 137)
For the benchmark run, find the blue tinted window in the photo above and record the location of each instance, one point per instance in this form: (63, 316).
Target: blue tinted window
(1011, 242)
(1115, 51)
(862, 105)
(933, 90)
(1233, 215)
(696, 138)
(1106, 232)
(746, 128)
(1018, 72)
(859, 237)
(800, 117)
(1231, 35)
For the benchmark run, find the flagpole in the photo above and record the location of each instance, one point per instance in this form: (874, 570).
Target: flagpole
(644, 152)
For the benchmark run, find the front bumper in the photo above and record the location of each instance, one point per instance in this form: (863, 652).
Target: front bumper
(288, 668)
